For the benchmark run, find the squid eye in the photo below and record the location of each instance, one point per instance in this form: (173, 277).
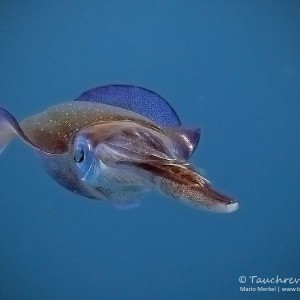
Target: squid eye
(79, 155)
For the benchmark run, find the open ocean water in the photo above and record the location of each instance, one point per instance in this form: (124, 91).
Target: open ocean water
(229, 67)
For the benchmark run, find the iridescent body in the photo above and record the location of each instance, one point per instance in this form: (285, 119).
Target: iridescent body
(114, 143)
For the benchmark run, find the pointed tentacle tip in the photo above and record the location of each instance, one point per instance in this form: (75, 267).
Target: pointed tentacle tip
(230, 207)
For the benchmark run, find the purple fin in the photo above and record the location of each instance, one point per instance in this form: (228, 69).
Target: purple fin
(9, 127)
(136, 99)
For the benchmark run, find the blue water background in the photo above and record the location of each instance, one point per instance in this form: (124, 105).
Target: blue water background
(229, 67)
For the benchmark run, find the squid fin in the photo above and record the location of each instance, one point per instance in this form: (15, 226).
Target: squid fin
(9, 128)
